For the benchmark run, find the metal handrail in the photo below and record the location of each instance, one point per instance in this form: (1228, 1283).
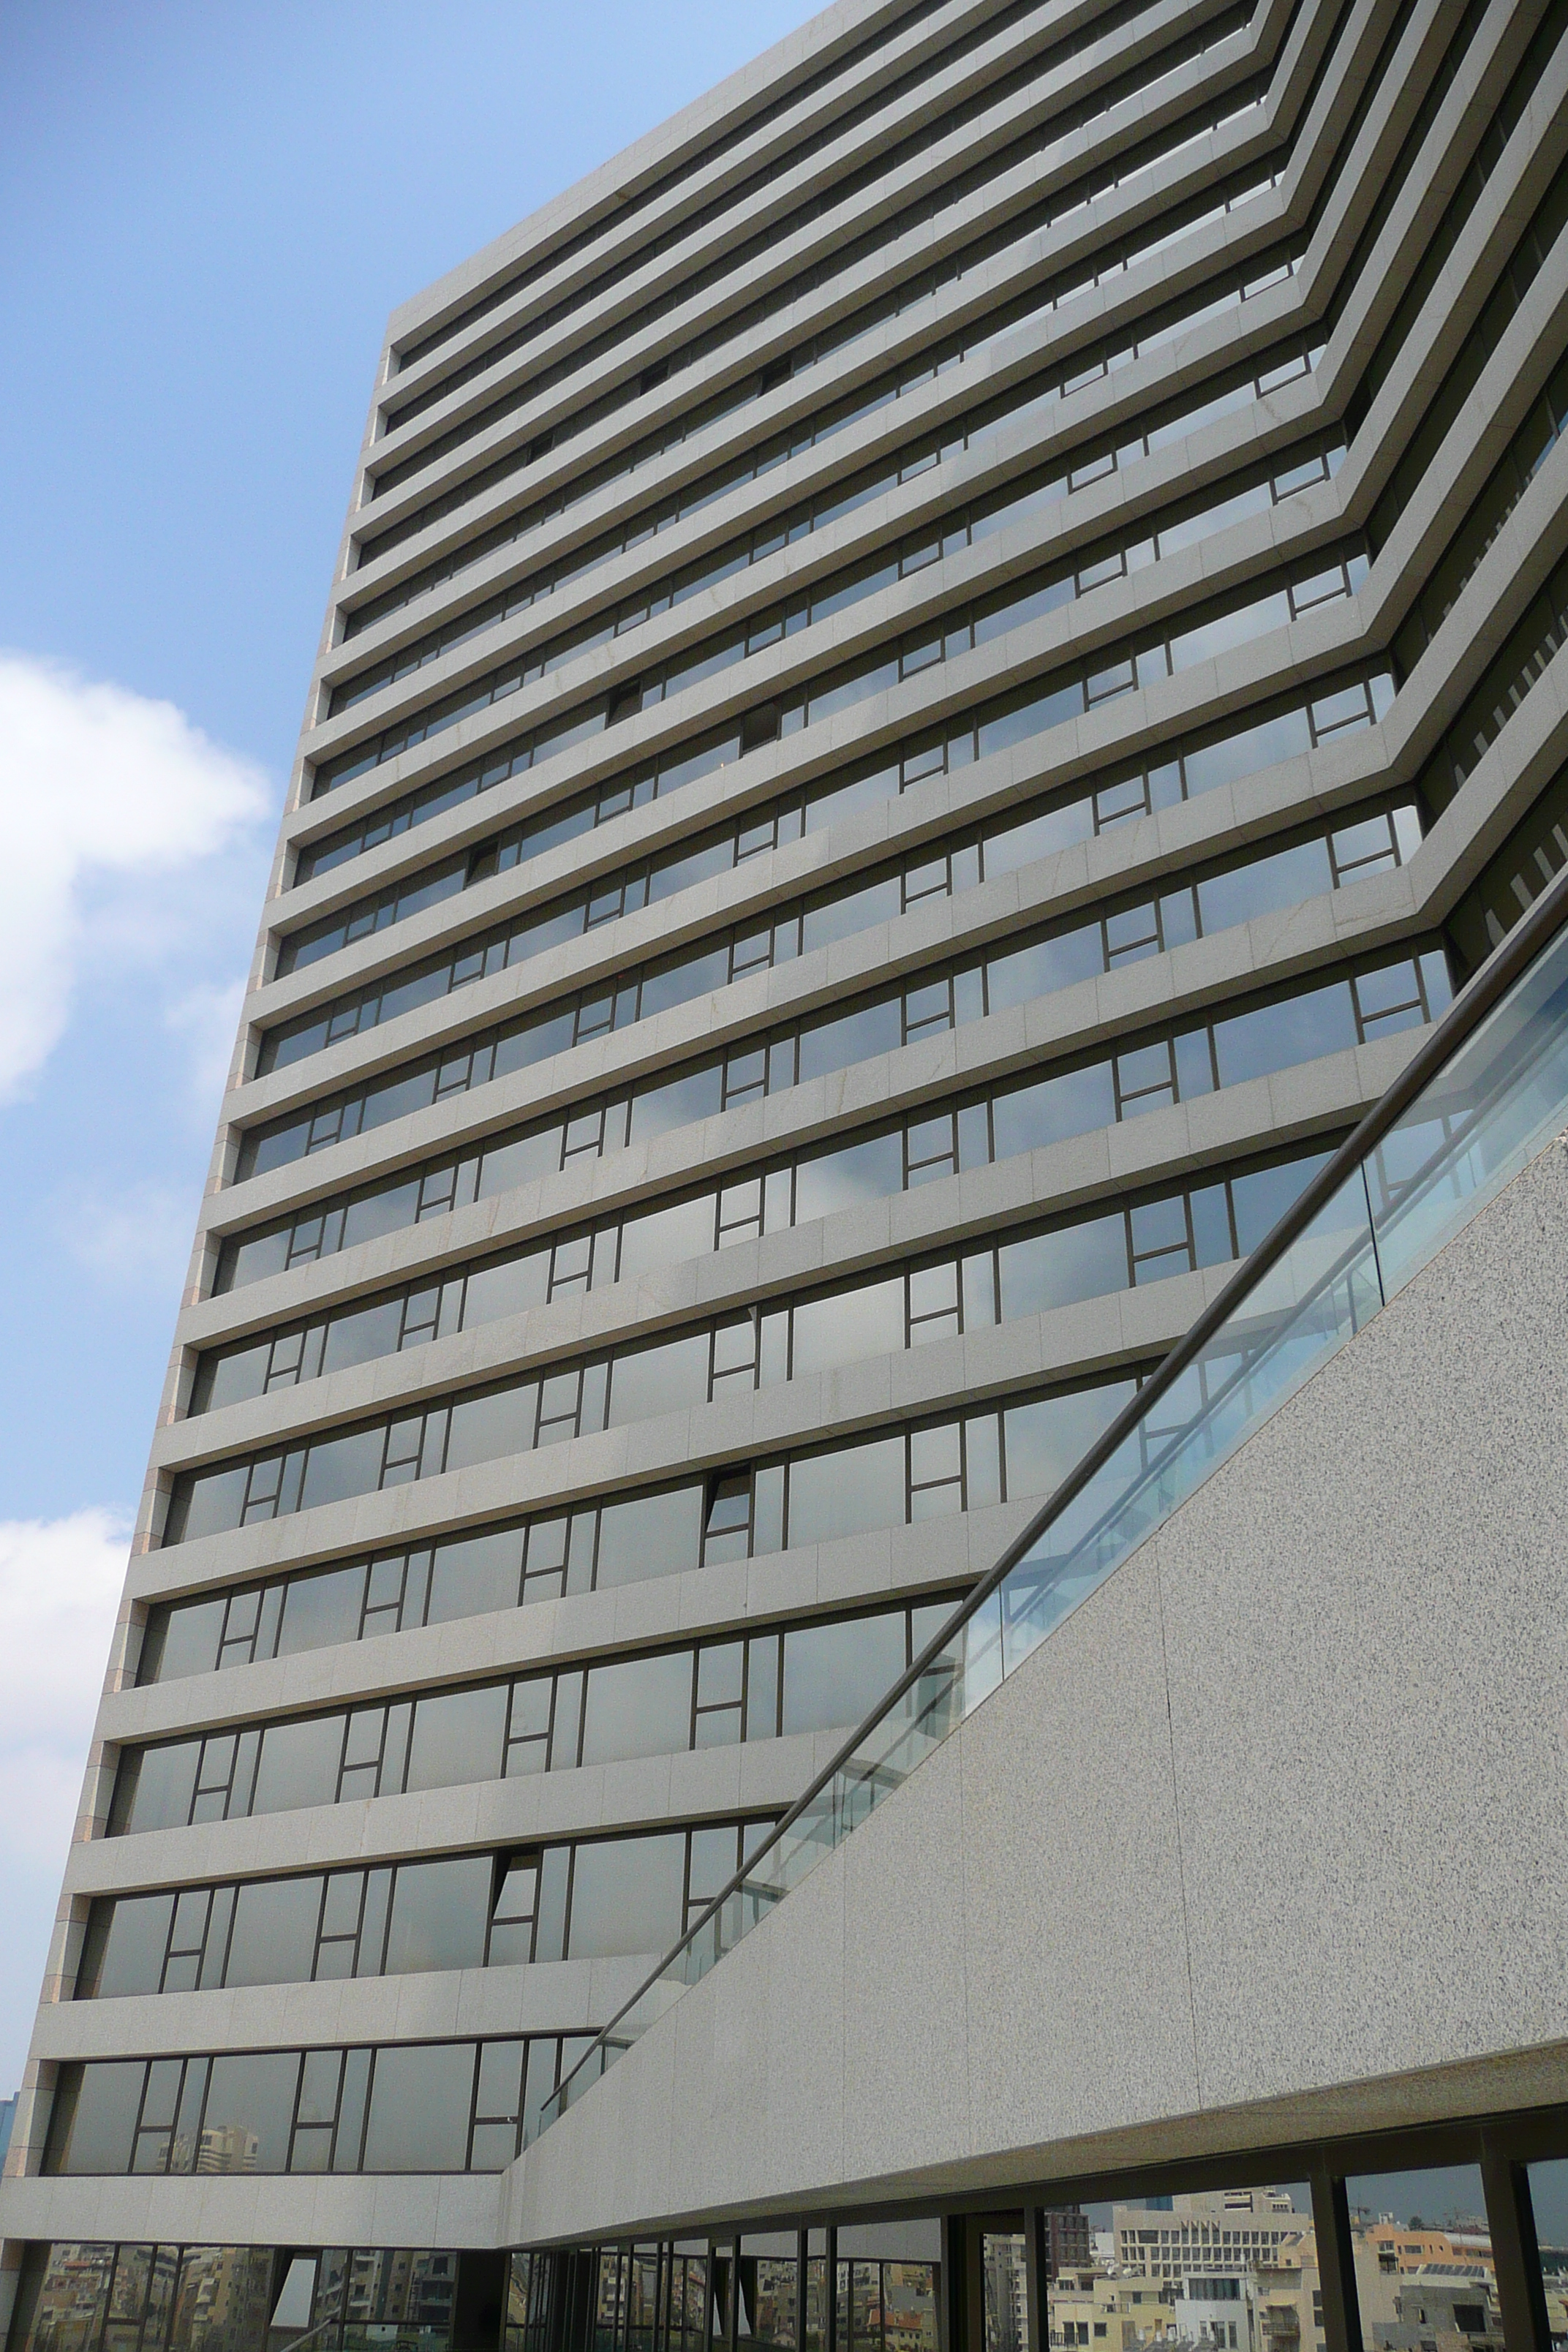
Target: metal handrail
(1475, 1000)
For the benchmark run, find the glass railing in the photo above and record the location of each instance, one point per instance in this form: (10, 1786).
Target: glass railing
(1487, 1091)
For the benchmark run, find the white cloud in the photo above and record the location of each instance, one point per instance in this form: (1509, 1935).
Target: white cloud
(59, 1588)
(103, 792)
(139, 1235)
(207, 1017)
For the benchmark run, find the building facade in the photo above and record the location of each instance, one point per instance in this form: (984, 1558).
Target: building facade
(933, 682)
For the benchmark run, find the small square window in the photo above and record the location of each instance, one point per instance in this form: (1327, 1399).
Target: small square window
(734, 1355)
(928, 1010)
(584, 1137)
(745, 1077)
(933, 1303)
(931, 1149)
(571, 1264)
(1322, 588)
(727, 1527)
(1114, 802)
(1144, 1078)
(1105, 685)
(1132, 933)
(1112, 566)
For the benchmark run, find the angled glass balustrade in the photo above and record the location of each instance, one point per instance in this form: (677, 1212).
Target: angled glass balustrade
(1487, 1092)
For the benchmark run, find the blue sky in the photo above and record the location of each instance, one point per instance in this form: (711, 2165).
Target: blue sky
(207, 213)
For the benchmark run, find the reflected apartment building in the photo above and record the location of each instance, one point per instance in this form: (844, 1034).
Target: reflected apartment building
(937, 681)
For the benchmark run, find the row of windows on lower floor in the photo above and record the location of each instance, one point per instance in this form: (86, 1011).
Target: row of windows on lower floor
(1190, 903)
(769, 1685)
(935, 1000)
(576, 1899)
(423, 2107)
(885, 1477)
(1168, 1231)
(916, 1471)
(1375, 998)
(76, 2296)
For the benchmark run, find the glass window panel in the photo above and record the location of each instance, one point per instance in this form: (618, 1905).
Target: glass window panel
(1159, 1227)
(1277, 1036)
(666, 1237)
(1048, 964)
(361, 1338)
(299, 1764)
(1072, 1103)
(834, 1675)
(1054, 1269)
(473, 1574)
(1267, 884)
(340, 1467)
(438, 1915)
(166, 1780)
(128, 2296)
(721, 1673)
(849, 1327)
(856, 910)
(626, 1896)
(191, 1634)
(1549, 2203)
(1045, 1439)
(214, 1500)
(107, 2095)
(133, 1948)
(320, 1609)
(1225, 631)
(1262, 1198)
(250, 2105)
(1036, 836)
(318, 2084)
(844, 1492)
(685, 977)
(857, 1036)
(1245, 752)
(653, 1535)
(640, 1706)
(499, 2091)
(507, 1287)
(457, 1737)
(419, 2103)
(1421, 2247)
(841, 1180)
(274, 1939)
(484, 1428)
(1212, 1240)
(650, 1380)
(909, 2306)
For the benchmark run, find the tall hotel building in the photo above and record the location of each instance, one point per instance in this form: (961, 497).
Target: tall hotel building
(935, 682)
